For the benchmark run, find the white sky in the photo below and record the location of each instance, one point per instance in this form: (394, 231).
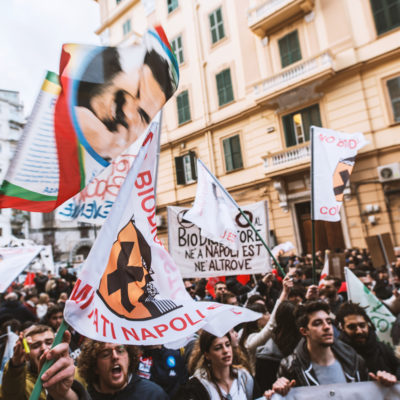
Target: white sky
(31, 35)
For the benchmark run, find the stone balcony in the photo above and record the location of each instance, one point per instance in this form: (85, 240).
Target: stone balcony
(301, 73)
(266, 15)
(289, 159)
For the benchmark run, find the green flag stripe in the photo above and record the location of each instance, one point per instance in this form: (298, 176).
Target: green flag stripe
(9, 189)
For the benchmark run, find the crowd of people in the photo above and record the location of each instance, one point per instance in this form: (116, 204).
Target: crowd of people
(308, 334)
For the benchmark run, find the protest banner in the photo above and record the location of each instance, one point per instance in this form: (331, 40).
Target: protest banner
(130, 291)
(332, 161)
(379, 314)
(353, 391)
(86, 117)
(213, 211)
(13, 260)
(198, 256)
(93, 204)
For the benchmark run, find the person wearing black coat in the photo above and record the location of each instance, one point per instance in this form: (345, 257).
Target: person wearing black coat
(12, 308)
(358, 332)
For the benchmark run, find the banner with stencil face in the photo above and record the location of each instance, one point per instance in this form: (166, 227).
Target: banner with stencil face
(332, 161)
(129, 290)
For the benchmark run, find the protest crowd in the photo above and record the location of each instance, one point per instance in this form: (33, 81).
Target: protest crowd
(308, 334)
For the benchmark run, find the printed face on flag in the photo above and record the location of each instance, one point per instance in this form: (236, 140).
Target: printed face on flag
(130, 291)
(103, 100)
(119, 93)
(333, 160)
(213, 211)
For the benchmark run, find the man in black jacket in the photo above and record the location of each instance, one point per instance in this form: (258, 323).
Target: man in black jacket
(318, 358)
(358, 331)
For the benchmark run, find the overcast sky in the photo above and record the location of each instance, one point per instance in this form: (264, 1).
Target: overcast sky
(31, 35)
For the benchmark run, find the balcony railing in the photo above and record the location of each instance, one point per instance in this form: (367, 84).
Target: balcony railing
(287, 158)
(266, 16)
(291, 76)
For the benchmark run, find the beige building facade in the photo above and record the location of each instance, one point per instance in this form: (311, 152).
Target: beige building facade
(254, 76)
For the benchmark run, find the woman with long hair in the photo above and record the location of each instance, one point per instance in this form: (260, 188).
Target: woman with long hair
(215, 376)
(285, 337)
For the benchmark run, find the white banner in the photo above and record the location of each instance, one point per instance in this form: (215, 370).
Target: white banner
(129, 290)
(332, 159)
(197, 256)
(342, 391)
(379, 314)
(13, 260)
(213, 210)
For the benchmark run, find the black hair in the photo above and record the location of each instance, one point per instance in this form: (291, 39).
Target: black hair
(350, 308)
(303, 312)
(251, 326)
(286, 334)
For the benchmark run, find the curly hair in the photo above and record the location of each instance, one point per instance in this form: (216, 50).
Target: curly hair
(87, 359)
(202, 345)
(350, 308)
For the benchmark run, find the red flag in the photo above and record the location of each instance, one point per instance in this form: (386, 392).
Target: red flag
(29, 279)
(211, 283)
(243, 279)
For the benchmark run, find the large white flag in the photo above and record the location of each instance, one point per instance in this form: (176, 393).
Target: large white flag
(213, 211)
(130, 291)
(332, 161)
(380, 316)
(13, 260)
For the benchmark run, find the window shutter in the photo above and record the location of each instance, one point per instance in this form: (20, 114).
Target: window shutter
(228, 155)
(288, 128)
(193, 163)
(180, 173)
(236, 152)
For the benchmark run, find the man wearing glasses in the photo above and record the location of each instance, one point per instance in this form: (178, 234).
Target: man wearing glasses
(358, 331)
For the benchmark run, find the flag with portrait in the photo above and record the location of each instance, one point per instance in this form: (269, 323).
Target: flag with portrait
(333, 156)
(102, 101)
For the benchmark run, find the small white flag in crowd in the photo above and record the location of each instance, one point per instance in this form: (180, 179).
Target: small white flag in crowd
(213, 210)
(13, 260)
(130, 291)
(9, 349)
(332, 161)
(380, 316)
(325, 269)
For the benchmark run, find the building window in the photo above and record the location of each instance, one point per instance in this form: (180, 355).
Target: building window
(84, 232)
(172, 5)
(232, 153)
(393, 86)
(224, 87)
(289, 49)
(297, 125)
(216, 25)
(386, 14)
(186, 168)
(126, 27)
(182, 102)
(177, 47)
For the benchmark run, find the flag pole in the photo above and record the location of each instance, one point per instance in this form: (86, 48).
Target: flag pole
(158, 155)
(48, 363)
(245, 217)
(314, 279)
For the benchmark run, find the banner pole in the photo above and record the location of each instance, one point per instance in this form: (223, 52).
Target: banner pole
(157, 156)
(48, 363)
(314, 280)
